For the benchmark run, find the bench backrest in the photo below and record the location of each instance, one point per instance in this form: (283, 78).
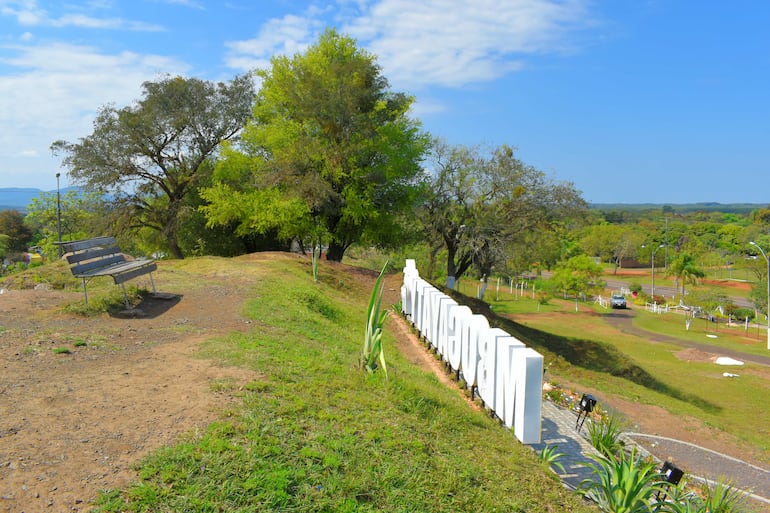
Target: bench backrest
(86, 255)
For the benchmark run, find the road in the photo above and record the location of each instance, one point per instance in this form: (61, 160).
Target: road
(741, 302)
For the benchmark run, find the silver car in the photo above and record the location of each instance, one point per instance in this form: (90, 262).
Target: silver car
(618, 301)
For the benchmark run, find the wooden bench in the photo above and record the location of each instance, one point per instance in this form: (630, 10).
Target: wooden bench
(101, 256)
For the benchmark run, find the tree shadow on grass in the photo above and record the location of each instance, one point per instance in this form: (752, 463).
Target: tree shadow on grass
(587, 354)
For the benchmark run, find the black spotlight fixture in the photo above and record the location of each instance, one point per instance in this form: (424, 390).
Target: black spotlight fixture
(586, 406)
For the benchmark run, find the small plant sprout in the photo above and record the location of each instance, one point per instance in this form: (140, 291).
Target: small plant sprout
(548, 456)
(375, 318)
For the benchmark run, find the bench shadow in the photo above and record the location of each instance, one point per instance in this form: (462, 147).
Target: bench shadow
(150, 307)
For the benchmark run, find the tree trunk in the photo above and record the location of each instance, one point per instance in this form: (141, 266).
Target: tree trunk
(173, 245)
(335, 252)
(451, 267)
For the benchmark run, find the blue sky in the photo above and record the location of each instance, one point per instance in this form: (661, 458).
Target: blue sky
(633, 101)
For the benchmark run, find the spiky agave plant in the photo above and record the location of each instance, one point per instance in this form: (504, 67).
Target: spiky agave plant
(375, 318)
(622, 484)
(605, 435)
(722, 497)
(549, 457)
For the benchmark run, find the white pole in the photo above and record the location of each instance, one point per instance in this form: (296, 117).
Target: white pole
(768, 289)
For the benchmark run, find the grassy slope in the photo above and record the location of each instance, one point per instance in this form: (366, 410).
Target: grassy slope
(316, 433)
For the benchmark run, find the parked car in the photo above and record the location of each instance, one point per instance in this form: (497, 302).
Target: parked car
(618, 301)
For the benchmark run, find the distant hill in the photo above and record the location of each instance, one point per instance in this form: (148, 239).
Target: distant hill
(17, 198)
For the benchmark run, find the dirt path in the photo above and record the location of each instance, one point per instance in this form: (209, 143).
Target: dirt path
(73, 423)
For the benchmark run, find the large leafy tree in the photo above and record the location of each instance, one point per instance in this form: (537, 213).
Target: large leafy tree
(330, 153)
(613, 242)
(152, 155)
(19, 235)
(483, 207)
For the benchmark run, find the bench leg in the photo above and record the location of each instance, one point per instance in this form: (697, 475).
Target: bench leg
(85, 291)
(153, 284)
(125, 296)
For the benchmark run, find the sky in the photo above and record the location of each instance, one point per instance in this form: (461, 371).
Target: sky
(633, 101)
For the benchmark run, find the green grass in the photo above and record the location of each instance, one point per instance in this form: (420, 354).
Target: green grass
(733, 337)
(317, 433)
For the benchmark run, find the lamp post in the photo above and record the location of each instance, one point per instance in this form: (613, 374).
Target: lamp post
(58, 213)
(653, 271)
(768, 288)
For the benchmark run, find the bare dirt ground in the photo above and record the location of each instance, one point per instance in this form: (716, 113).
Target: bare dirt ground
(74, 423)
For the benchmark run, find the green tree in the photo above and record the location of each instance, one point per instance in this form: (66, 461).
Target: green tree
(331, 153)
(613, 243)
(83, 215)
(483, 208)
(150, 156)
(578, 276)
(4, 243)
(685, 270)
(19, 235)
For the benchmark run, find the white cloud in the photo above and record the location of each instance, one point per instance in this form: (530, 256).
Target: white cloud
(449, 43)
(53, 92)
(279, 36)
(431, 42)
(27, 13)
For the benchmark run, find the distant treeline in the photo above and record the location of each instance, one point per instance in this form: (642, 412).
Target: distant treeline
(732, 208)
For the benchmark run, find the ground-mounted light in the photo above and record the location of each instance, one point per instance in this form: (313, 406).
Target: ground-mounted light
(585, 407)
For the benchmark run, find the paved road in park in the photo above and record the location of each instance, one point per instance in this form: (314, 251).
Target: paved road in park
(669, 291)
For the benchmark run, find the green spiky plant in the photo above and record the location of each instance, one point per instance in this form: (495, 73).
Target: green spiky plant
(723, 497)
(549, 457)
(372, 353)
(622, 484)
(605, 435)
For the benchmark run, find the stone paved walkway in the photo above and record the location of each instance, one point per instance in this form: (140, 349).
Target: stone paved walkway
(559, 428)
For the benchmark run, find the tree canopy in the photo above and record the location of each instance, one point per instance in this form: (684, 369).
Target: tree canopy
(150, 156)
(483, 206)
(330, 153)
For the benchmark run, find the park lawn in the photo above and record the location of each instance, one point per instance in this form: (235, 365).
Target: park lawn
(684, 388)
(735, 336)
(316, 433)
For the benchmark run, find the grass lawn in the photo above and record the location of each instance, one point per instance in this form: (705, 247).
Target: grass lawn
(316, 433)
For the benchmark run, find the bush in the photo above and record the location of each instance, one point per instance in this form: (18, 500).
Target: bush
(635, 287)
